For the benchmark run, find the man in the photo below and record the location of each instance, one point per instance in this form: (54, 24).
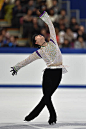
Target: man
(51, 54)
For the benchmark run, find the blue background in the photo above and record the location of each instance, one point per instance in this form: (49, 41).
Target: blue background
(79, 4)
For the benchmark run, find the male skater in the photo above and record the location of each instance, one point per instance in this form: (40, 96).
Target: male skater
(51, 54)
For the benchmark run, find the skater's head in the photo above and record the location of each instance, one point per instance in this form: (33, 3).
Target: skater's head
(38, 40)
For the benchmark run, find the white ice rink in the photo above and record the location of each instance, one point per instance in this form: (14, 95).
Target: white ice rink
(70, 105)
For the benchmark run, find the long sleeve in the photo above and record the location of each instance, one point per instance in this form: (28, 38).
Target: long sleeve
(45, 17)
(34, 56)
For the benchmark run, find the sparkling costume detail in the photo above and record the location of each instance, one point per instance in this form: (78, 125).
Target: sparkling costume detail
(51, 53)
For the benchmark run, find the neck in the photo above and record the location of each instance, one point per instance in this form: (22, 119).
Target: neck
(43, 43)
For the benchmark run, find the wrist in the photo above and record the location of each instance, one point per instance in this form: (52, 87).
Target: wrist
(14, 69)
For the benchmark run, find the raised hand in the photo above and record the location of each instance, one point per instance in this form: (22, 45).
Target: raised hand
(40, 9)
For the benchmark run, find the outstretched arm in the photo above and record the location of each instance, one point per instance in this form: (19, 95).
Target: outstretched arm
(45, 17)
(34, 56)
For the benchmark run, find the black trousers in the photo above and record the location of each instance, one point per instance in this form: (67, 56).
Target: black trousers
(51, 80)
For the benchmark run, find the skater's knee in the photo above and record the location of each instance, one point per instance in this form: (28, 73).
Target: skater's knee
(47, 99)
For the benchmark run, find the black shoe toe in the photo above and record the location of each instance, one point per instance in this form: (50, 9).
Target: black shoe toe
(52, 120)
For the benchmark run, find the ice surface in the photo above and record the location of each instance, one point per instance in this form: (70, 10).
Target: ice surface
(16, 103)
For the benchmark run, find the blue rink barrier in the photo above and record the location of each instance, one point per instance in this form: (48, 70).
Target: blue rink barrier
(31, 50)
(40, 86)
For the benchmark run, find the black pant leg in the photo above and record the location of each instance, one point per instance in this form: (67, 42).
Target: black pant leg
(51, 80)
(50, 84)
(35, 112)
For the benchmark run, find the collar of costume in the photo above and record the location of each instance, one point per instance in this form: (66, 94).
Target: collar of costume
(43, 43)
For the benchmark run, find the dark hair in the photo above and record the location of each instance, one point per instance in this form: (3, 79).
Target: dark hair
(33, 40)
(80, 37)
(63, 10)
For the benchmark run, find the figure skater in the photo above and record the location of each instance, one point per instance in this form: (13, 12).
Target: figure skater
(51, 54)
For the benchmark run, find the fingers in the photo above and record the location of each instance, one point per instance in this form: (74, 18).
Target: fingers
(11, 70)
(13, 73)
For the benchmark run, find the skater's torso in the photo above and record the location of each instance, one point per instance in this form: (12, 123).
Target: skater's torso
(51, 54)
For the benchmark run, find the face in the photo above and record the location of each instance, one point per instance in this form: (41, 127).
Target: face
(43, 8)
(29, 12)
(54, 2)
(68, 31)
(30, 2)
(34, 20)
(82, 28)
(17, 2)
(43, 32)
(73, 20)
(12, 39)
(52, 12)
(62, 27)
(3, 32)
(63, 13)
(80, 32)
(66, 41)
(61, 21)
(39, 39)
(80, 39)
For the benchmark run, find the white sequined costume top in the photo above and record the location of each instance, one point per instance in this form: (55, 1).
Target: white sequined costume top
(51, 53)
